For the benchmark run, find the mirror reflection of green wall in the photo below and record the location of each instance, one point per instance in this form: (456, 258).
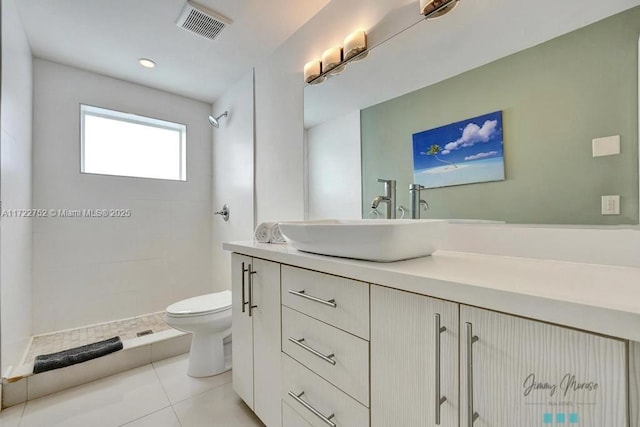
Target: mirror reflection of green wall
(555, 97)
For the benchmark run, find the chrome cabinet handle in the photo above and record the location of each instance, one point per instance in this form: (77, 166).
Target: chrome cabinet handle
(327, 420)
(244, 270)
(471, 339)
(330, 303)
(251, 305)
(439, 399)
(326, 358)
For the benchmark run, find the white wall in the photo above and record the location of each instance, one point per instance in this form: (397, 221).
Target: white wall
(90, 270)
(279, 142)
(334, 187)
(232, 174)
(15, 191)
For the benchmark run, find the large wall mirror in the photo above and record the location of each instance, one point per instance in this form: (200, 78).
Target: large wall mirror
(560, 80)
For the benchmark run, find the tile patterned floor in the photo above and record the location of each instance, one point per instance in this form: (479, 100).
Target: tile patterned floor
(156, 395)
(64, 340)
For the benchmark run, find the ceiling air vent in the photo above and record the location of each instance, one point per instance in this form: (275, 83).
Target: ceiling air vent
(201, 21)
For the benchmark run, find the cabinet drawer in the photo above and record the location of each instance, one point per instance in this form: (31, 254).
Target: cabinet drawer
(320, 396)
(341, 302)
(291, 418)
(350, 373)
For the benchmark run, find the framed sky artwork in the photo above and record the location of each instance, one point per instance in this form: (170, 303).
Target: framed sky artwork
(464, 152)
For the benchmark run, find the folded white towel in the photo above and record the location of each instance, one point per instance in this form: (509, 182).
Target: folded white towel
(269, 232)
(263, 233)
(276, 234)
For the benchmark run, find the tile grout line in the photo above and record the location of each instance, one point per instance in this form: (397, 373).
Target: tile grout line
(24, 408)
(157, 410)
(155, 371)
(164, 390)
(204, 391)
(145, 415)
(176, 415)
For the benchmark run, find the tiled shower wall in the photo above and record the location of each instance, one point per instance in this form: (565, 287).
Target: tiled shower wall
(93, 270)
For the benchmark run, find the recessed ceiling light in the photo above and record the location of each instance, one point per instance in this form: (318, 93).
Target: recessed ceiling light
(146, 63)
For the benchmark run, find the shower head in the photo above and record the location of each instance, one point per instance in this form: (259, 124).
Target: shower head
(215, 121)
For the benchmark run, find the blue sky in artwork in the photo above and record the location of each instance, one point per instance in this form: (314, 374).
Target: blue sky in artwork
(465, 141)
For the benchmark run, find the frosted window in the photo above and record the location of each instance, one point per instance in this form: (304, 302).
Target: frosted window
(115, 143)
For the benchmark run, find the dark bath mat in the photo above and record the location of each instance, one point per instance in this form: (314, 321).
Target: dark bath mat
(47, 362)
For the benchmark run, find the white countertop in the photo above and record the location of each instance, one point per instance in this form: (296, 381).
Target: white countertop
(597, 298)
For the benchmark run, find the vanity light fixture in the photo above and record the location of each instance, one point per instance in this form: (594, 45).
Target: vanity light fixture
(335, 59)
(436, 8)
(146, 62)
(331, 58)
(355, 44)
(312, 71)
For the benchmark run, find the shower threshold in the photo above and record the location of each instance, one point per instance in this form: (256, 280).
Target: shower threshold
(140, 347)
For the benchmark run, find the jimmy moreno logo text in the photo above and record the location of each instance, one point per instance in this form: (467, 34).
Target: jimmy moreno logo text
(569, 383)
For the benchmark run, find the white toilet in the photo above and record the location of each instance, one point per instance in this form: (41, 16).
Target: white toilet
(208, 318)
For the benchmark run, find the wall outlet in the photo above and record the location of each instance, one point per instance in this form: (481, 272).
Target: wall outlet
(606, 146)
(611, 205)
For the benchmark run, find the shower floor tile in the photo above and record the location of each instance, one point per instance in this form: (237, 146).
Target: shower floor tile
(126, 329)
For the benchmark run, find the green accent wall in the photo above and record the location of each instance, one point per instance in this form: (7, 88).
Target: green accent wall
(555, 98)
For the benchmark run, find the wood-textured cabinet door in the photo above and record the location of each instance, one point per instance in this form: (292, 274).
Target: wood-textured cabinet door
(242, 330)
(519, 372)
(406, 360)
(265, 284)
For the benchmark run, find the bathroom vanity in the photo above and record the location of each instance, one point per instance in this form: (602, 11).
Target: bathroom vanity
(453, 339)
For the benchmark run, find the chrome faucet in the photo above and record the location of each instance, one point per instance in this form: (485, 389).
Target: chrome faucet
(389, 198)
(415, 201)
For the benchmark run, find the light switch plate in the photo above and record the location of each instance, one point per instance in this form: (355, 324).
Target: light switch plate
(611, 205)
(605, 146)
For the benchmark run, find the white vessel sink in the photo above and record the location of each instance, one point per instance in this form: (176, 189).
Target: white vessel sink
(382, 240)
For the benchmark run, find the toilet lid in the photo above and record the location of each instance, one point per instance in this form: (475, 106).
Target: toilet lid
(203, 304)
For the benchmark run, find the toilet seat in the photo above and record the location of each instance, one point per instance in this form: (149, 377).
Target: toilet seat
(201, 305)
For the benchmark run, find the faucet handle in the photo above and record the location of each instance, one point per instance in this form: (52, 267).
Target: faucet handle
(375, 213)
(388, 183)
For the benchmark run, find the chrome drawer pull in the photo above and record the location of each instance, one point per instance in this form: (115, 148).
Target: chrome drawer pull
(330, 303)
(439, 399)
(244, 270)
(471, 339)
(251, 304)
(327, 420)
(327, 358)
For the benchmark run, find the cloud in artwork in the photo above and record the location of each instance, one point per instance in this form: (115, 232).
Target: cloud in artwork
(445, 151)
(481, 155)
(472, 134)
